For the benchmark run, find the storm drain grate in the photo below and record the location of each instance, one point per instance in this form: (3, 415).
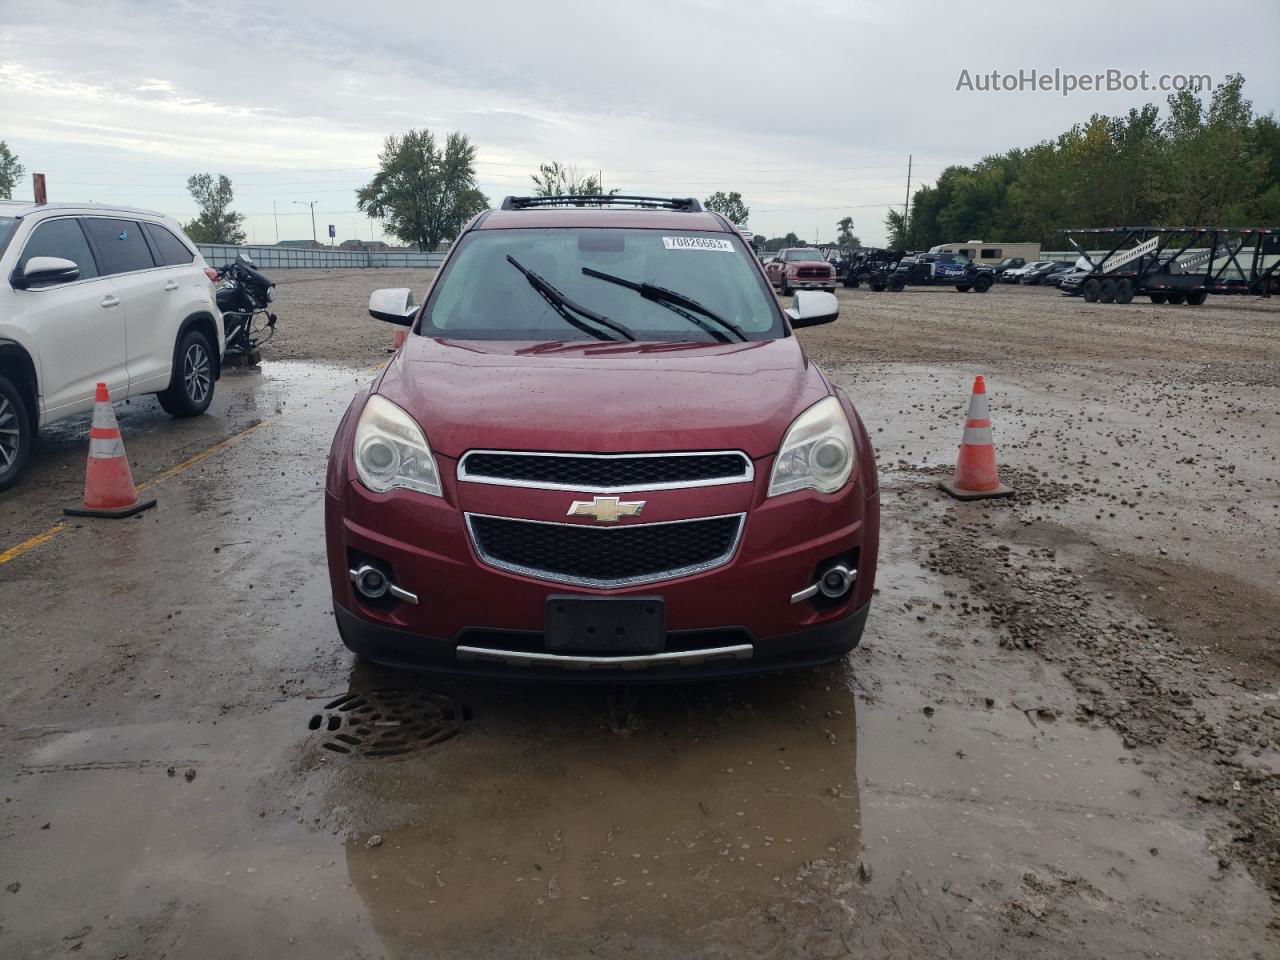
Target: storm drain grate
(388, 723)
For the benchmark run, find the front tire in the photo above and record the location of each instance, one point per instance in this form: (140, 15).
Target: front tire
(897, 283)
(981, 283)
(963, 287)
(15, 433)
(1197, 297)
(192, 389)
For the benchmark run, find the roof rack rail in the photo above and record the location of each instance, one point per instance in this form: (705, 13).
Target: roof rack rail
(687, 204)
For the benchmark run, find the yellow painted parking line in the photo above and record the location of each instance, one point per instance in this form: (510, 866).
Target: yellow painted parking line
(13, 553)
(206, 454)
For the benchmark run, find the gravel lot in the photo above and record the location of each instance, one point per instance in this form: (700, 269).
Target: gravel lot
(1059, 737)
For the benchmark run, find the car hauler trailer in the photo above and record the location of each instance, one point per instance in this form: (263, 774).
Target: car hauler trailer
(1175, 264)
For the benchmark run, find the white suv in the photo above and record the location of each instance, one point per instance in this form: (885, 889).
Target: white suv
(91, 293)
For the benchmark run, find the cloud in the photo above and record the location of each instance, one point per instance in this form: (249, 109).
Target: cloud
(809, 111)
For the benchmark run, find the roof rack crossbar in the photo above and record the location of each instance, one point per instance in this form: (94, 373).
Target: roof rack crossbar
(687, 204)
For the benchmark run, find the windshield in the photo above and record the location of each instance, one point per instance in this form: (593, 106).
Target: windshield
(804, 255)
(482, 295)
(6, 227)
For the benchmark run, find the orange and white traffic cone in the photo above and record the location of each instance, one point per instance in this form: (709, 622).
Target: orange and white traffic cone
(108, 482)
(977, 477)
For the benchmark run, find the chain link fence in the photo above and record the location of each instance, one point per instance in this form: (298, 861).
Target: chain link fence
(268, 256)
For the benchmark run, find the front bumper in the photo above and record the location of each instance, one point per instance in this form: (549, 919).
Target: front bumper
(474, 618)
(807, 284)
(735, 652)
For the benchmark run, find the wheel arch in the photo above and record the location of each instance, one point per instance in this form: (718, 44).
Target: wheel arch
(202, 321)
(17, 364)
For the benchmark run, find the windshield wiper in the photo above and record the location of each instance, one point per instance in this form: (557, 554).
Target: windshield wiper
(562, 305)
(674, 300)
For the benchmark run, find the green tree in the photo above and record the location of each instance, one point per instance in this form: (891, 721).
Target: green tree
(895, 225)
(844, 233)
(1207, 161)
(759, 240)
(216, 222)
(11, 172)
(555, 179)
(730, 206)
(421, 193)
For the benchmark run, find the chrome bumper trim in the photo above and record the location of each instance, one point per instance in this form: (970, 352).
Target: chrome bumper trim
(683, 658)
(402, 594)
(801, 595)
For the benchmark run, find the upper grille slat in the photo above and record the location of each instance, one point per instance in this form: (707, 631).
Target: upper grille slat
(605, 557)
(604, 473)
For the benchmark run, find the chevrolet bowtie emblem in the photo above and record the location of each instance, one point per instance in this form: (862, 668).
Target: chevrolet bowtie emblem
(606, 509)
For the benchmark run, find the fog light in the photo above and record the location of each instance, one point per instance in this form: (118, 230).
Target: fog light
(371, 582)
(836, 582)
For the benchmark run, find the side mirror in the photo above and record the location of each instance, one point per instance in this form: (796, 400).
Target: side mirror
(44, 271)
(813, 307)
(394, 305)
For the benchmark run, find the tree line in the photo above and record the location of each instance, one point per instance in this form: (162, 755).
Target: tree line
(1214, 164)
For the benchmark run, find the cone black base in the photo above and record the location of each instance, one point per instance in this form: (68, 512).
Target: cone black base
(959, 494)
(119, 513)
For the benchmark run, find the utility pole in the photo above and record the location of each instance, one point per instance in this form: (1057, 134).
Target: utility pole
(906, 206)
(276, 217)
(312, 205)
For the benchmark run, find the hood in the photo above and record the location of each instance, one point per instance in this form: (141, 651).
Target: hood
(596, 397)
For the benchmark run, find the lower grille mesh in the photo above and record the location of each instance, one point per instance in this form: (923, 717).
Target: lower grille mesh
(572, 553)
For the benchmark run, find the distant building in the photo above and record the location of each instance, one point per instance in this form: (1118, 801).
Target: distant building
(374, 246)
(302, 244)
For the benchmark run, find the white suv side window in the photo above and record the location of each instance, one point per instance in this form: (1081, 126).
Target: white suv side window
(61, 238)
(120, 244)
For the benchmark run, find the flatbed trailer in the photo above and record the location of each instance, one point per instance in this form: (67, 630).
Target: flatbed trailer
(1176, 264)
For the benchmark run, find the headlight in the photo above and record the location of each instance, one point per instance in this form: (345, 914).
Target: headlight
(391, 450)
(816, 453)
(271, 293)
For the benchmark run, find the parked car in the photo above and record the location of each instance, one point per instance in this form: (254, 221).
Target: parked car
(1040, 272)
(601, 453)
(800, 268)
(1008, 263)
(95, 293)
(1055, 279)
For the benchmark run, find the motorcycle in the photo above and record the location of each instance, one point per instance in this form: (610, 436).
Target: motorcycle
(244, 297)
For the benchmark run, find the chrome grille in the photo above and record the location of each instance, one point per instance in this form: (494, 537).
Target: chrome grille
(605, 473)
(591, 556)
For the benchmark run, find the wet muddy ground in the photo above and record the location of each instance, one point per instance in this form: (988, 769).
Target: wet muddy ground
(1058, 738)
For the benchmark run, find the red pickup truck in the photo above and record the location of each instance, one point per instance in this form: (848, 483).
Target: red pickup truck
(800, 268)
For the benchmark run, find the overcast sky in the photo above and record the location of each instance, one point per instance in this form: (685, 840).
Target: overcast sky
(809, 109)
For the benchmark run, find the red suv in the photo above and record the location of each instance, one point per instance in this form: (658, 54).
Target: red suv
(601, 452)
(800, 268)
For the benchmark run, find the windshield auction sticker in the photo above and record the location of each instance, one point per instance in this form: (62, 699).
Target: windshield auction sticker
(697, 243)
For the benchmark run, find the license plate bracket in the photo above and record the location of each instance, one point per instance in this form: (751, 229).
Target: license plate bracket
(605, 625)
